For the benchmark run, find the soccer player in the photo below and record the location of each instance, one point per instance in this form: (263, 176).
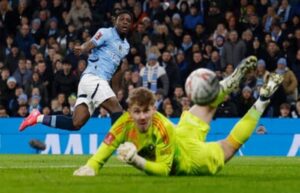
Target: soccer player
(147, 140)
(108, 47)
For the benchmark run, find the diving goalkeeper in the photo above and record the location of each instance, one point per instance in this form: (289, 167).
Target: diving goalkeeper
(147, 140)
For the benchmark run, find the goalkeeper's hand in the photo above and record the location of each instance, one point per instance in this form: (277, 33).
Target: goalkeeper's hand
(127, 152)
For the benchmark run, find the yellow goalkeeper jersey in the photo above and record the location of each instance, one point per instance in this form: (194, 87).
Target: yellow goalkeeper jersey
(157, 145)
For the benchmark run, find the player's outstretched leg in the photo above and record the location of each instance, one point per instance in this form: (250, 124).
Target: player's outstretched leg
(245, 127)
(232, 82)
(30, 120)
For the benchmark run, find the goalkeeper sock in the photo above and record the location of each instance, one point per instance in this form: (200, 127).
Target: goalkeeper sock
(244, 128)
(219, 99)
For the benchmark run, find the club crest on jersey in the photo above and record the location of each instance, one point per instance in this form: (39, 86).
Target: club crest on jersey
(98, 35)
(109, 139)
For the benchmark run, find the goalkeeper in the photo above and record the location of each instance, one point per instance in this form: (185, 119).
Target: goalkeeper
(147, 140)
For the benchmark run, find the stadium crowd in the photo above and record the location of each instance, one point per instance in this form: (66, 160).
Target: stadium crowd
(169, 39)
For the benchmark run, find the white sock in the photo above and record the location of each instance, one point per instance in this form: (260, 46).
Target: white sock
(260, 105)
(40, 118)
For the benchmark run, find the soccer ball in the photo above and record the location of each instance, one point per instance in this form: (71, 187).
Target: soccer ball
(202, 86)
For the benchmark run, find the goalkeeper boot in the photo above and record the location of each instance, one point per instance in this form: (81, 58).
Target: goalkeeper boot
(84, 171)
(30, 120)
(232, 82)
(271, 85)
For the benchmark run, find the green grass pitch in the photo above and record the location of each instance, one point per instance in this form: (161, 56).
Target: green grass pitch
(53, 174)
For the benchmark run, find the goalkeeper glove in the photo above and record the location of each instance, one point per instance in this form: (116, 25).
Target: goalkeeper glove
(127, 153)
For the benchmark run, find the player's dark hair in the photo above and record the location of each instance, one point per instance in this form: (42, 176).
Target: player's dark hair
(123, 11)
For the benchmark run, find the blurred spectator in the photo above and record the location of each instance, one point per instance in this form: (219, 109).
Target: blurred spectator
(261, 130)
(169, 111)
(66, 110)
(11, 60)
(22, 74)
(11, 85)
(37, 83)
(214, 62)
(52, 28)
(228, 70)
(262, 7)
(256, 49)
(197, 62)
(285, 110)
(5, 48)
(24, 39)
(176, 100)
(172, 9)
(172, 71)
(220, 32)
(18, 99)
(159, 96)
(22, 111)
(185, 104)
(46, 110)
(290, 84)
(8, 22)
(187, 44)
(278, 35)
(269, 19)
(103, 113)
(79, 11)
(56, 108)
(261, 76)
(81, 66)
(245, 101)
(64, 81)
(35, 103)
(192, 19)
(214, 16)
(3, 86)
(155, 11)
(71, 101)
(227, 108)
(295, 67)
(176, 21)
(234, 50)
(121, 98)
(199, 34)
(182, 64)
(3, 112)
(284, 11)
(154, 76)
(272, 56)
(296, 111)
(138, 15)
(45, 74)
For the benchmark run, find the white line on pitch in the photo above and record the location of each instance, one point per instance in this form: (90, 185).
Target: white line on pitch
(58, 166)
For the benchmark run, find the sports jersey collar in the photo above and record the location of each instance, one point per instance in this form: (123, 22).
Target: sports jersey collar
(118, 35)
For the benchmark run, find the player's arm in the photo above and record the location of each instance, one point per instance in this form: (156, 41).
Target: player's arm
(164, 153)
(98, 39)
(84, 48)
(161, 166)
(111, 142)
(163, 163)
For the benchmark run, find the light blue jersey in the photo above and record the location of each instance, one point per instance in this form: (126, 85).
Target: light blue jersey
(106, 56)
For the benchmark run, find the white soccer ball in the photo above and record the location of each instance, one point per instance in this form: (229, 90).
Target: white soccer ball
(202, 86)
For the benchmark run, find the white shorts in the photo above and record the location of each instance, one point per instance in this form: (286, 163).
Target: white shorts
(92, 90)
